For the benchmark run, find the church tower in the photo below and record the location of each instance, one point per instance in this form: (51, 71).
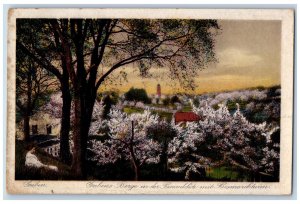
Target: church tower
(158, 91)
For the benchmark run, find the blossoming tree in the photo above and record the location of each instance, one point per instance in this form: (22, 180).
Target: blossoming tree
(54, 109)
(219, 139)
(128, 140)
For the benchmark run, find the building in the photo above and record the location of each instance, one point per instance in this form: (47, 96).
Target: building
(158, 91)
(186, 117)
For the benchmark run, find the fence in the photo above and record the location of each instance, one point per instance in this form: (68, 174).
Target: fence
(53, 150)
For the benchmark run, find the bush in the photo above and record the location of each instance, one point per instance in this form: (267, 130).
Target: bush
(137, 95)
(174, 100)
(166, 101)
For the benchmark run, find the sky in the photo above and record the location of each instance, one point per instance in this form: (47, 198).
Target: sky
(248, 54)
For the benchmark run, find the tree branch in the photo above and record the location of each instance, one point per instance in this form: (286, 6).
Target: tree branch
(43, 63)
(67, 50)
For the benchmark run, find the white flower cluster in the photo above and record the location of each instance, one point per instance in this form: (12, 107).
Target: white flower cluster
(97, 121)
(220, 137)
(244, 95)
(54, 106)
(127, 139)
(54, 109)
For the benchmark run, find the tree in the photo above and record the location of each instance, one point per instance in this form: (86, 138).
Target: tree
(32, 87)
(196, 102)
(37, 40)
(54, 108)
(174, 99)
(182, 46)
(221, 138)
(98, 121)
(162, 132)
(108, 99)
(108, 103)
(128, 140)
(166, 101)
(135, 94)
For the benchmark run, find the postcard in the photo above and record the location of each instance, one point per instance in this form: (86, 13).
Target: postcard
(150, 101)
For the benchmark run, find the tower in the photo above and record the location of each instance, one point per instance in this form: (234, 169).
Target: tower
(158, 91)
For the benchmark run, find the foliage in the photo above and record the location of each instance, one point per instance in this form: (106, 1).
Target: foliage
(108, 102)
(186, 108)
(174, 99)
(222, 138)
(75, 49)
(54, 105)
(130, 110)
(166, 101)
(29, 173)
(163, 133)
(33, 85)
(97, 124)
(135, 94)
(127, 140)
(54, 108)
(234, 97)
(196, 101)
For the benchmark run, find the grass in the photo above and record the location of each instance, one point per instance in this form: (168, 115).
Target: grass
(187, 109)
(161, 114)
(164, 115)
(158, 105)
(227, 173)
(121, 170)
(130, 110)
(31, 173)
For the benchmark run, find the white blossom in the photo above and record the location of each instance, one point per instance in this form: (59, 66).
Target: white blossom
(232, 137)
(125, 140)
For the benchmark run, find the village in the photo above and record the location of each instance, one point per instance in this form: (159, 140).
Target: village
(181, 112)
(45, 129)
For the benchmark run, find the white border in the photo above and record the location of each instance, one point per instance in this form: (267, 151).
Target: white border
(230, 14)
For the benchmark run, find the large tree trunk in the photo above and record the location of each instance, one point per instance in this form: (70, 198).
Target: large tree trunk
(134, 161)
(136, 168)
(84, 104)
(77, 165)
(164, 161)
(26, 128)
(65, 154)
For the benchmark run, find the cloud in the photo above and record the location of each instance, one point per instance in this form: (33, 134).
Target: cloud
(234, 57)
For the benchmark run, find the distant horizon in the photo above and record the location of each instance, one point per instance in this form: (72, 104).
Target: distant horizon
(212, 92)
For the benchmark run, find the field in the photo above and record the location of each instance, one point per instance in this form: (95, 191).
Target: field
(165, 115)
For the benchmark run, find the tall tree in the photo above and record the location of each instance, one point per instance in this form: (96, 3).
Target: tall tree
(40, 43)
(32, 84)
(182, 46)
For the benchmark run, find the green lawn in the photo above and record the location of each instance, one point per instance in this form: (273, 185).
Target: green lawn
(30, 173)
(164, 115)
(227, 173)
(162, 105)
(187, 108)
(130, 110)
(161, 114)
